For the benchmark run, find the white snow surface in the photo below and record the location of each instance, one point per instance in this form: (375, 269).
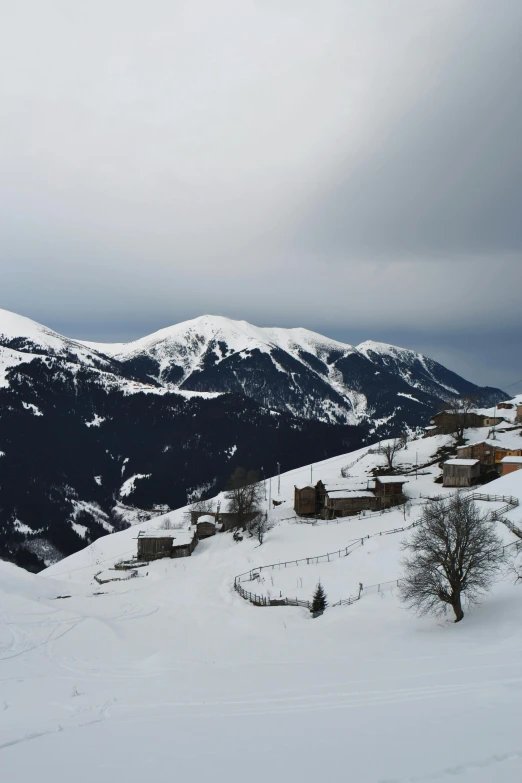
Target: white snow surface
(127, 488)
(13, 326)
(170, 674)
(239, 336)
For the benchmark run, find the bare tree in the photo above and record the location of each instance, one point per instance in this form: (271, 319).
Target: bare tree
(390, 451)
(455, 556)
(244, 495)
(461, 417)
(168, 524)
(201, 506)
(259, 526)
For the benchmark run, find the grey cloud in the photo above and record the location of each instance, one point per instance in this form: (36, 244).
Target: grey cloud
(291, 163)
(445, 175)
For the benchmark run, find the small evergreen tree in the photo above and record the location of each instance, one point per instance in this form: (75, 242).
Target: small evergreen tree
(319, 602)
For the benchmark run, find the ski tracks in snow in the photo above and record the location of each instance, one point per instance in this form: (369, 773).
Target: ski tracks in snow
(460, 769)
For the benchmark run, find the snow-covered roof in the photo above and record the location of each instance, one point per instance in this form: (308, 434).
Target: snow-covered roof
(498, 443)
(179, 537)
(462, 462)
(355, 494)
(207, 518)
(512, 460)
(391, 479)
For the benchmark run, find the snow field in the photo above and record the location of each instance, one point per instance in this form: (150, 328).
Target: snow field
(172, 675)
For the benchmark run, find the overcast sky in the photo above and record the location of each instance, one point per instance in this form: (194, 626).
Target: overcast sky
(352, 166)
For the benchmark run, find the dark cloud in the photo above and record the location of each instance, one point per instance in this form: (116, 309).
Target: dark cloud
(444, 177)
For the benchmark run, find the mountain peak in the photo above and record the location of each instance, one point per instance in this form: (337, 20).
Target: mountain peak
(384, 348)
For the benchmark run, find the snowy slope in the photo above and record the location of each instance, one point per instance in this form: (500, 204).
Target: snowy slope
(420, 371)
(20, 335)
(171, 673)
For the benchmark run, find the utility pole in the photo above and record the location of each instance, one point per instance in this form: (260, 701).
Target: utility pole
(494, 431)
(278, 478)
(264, 480)
(312, 475)
(269, 492)
(416, 463)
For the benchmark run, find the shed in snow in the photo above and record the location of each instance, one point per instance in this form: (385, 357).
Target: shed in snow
(155, 544)
(510, 464)
(389, 490)
(206, 526)
(310, 501)
(351, 503)
(460, 472)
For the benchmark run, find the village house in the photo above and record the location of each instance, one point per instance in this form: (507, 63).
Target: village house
(155, 544)
(510, 464)
(505, 406)
(318, 501)
(518, 417)
(389, 491)
(443, 422)
(349, 504)
(489, 452)
(461, 472)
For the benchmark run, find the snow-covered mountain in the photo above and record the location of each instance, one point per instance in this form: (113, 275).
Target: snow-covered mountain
(295, 370)
(22, 339)
(94, 435)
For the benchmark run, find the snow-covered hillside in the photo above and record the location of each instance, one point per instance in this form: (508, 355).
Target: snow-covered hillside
(172, 673)
(183, 407)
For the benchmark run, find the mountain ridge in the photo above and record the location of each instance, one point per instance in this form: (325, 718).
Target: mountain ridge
(190, 355)
(91, 438)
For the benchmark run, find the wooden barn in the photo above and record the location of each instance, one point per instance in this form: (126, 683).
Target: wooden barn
(310, 501)
(155, 544)
(445, 420)
(489, 452)
(389, 491)
(350, 503)
(461, 472)
(206, 526)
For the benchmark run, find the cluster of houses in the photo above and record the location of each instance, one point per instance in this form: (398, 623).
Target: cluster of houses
(155, 544)
(320, 502)
(498, 454)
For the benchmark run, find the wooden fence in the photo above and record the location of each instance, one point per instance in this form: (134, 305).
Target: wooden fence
(263, 600)
(510, 502)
